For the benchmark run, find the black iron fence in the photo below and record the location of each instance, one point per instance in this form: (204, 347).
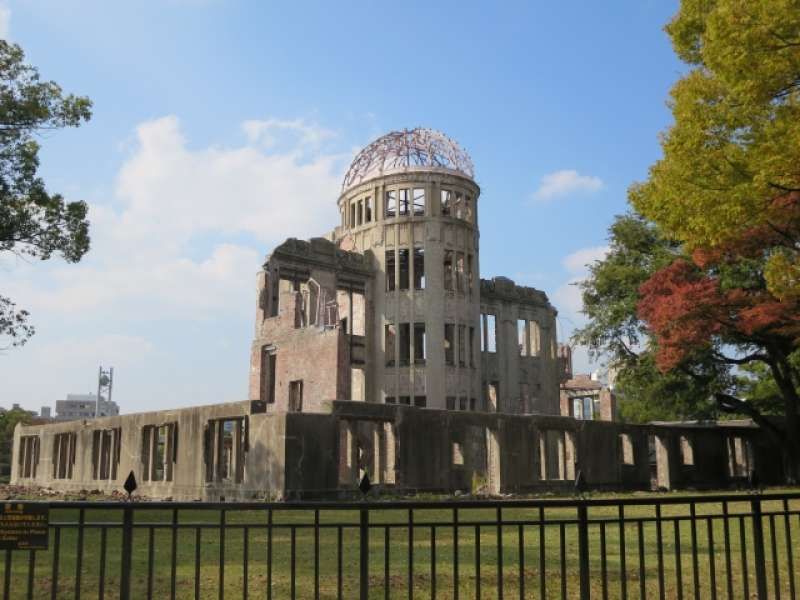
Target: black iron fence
(720, 546)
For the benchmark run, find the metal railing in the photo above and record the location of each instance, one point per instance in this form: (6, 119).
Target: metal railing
(707, 546)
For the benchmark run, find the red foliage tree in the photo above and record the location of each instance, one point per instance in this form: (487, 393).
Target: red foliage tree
(719, 303)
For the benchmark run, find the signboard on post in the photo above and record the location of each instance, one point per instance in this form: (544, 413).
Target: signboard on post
(23, 526)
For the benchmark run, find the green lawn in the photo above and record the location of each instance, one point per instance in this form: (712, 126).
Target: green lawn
(428, 525)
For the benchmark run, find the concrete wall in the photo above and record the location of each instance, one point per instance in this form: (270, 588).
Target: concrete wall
(405, 449)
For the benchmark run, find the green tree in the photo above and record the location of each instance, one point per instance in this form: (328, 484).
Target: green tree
(33, 222)
(8, 421)
(615, 333)
(734, 149)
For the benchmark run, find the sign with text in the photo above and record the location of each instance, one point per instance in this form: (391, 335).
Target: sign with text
(23, 526)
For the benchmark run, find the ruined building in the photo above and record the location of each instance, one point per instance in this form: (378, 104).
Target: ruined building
(378, 349)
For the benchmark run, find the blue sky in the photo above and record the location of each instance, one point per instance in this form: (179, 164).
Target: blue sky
(210, 114)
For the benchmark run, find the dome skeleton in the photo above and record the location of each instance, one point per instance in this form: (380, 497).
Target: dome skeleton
(409, 148)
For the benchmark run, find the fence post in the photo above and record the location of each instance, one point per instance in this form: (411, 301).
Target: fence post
(583, 550)
(127, 546)
(758, 548)
(364, 553)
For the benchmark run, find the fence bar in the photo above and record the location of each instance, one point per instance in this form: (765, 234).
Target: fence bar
(150, 553)
(758, 550)
(726, 534)
(743, 555)
(774, 544)
(339, 562)
(521, 561)
(583, 550)
(292, 560)
(660, 551)
(31, 569)
(642, 572)
(678, 558)
(386, 546)
(316, 554)
(623, 575)
(54, 581)
(712, 567)
(477, 562)
(222, 555)
(410, 554)
(789, 557)
(127, 546)
(363, 554)
(542, 563)
(603, 561)
(197, 535)
(245, 561)
(695, 565)
(79, 553)
(433, 562)
(269, 554)
(499, 553)
(562, 550)
(455, 555)
(174, 565)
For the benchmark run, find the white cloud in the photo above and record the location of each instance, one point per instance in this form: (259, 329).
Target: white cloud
(5, 21)
(267, 132)
(578, 261)
(190, 230)
(566, 181)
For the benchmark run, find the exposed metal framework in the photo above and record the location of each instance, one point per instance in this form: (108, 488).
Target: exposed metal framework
(409, 148)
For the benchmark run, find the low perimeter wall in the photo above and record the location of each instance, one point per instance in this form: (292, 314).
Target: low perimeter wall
(238, 451)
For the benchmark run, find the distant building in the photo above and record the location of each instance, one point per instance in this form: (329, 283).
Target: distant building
(45, 412)
(584, 397)
(82, 406)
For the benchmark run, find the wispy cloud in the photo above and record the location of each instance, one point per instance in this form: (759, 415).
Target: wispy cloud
(578, 261)
(564, 182)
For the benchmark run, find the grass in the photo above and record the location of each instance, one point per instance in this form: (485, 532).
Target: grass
(246, 542)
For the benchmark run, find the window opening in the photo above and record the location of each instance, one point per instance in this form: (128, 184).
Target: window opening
(448, 270)
(360, 212)
(391, 203)
(471, 347)
(419, 268)
(405, 343)
(403, 201)
(390, 272)
(404, 270)
(451, 402)
(296, 396)
(419, 343)
(352, 214)
(419, 202)
(446, 202)
(420, 401)
(449, 344)
(462, 343)
(29, 456)
(390, 333)
(489, 341)
(460, 271)
(368, 209)
(405, 400)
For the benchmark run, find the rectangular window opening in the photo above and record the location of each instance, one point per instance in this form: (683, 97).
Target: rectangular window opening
(449, 344)
(451, 402)
(420, 401)
(462, 345)
(404, 268)
(448, 270)
(460, 271)
(419, 268)
(368, 209)
(391, 203)
(403, 202)
(390, 332)
(390, 272)
(419, 202)
(405, 344)
(419, 343)
(296, 396)
(446, 197)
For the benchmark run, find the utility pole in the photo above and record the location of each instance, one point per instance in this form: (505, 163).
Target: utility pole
(105, 383)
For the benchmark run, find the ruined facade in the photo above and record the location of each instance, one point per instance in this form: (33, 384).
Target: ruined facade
(379, 350)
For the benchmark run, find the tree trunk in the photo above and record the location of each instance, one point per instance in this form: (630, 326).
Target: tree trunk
(782, 373)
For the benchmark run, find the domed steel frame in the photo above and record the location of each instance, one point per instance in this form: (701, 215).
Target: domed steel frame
(409, 148)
